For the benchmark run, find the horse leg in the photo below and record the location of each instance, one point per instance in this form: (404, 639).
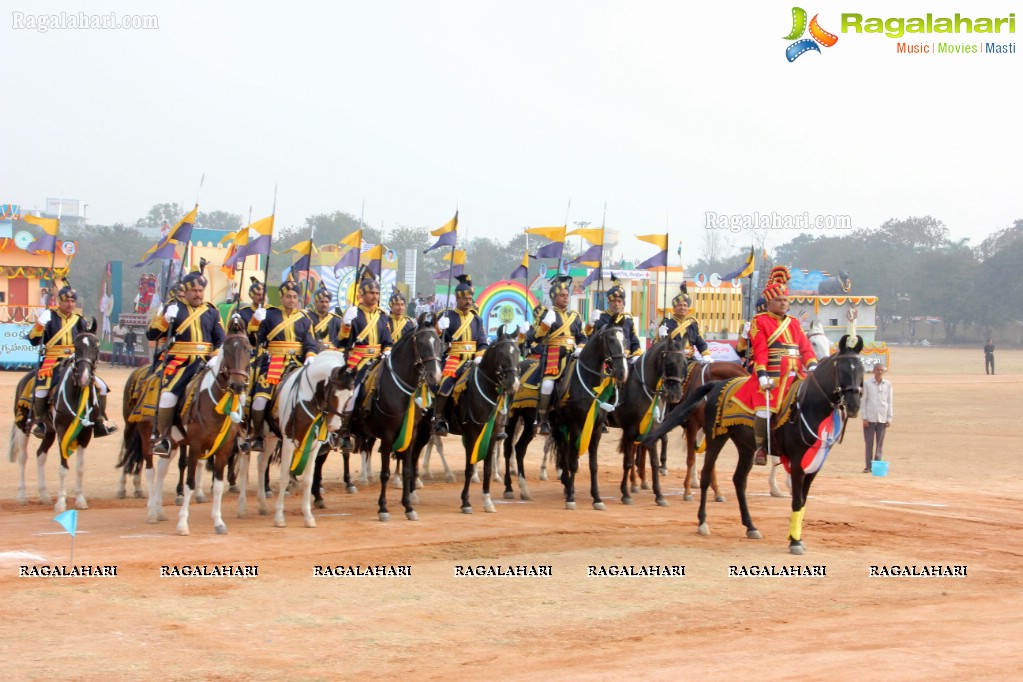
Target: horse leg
(488, 504)
(191, 462)
(507, 449)
(476, 473)
(520, 457)
(347, 473)
(19, 453)
(470, 470)
(771, 482)
(385, 473)
(41, 453)
(546, 452)
(656, 475)
(367, 462)
(61, 504)
(687, 494)
(628, 467)
(399, 474)
(162, 466)
(449, 476)
(321, 459)
(219, 464)
(800, 491)
(262, 467)
(179, 498)
(242, 469)
(287, 452)
(710, 456)
(308, 481)
(664, 455)
(232, 471)
(639, 459)
(594, 489)
(408, 484)
(136, 482)
(80, 502)
(740, 478)
(197, 492)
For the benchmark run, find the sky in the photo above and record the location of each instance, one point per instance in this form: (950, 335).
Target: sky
(517, 114)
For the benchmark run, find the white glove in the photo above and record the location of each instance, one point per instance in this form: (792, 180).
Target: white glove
(745, 330)
(387, 351)
(524, 328)
(704, 359)
(577, 351)
(765, 382)
(309, 359)
(595, 315)
(443, 323)
(477, 360)
(350, 315)
(633, 359)
(44, 317)
(550, 318)
(260, 314)
(171, 312)
(662, 331)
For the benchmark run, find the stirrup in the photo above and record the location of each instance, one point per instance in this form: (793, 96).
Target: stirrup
(440, 427)
(760, 457)
(243, 446)
(256, 444)
(346, 443)
(162, 448)
(545, 428)
(39, 429)
(103, 428)
(500, 435)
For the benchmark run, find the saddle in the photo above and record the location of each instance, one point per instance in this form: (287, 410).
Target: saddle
(731, 413)
(529, 384)
(145, 399)
(460, 384)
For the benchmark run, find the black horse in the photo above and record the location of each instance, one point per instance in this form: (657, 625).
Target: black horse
(482, 406)
(655, 380)
(398, 394)
(581, 405)
(519, 439)
(825, 400)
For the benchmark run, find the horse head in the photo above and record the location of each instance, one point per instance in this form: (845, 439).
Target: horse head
(673, 361)
(333, 393)
(501, 361)
(608, 345)
(234, 364)
(427, 351)
(86, 355)
(845, 377)
(236, 325)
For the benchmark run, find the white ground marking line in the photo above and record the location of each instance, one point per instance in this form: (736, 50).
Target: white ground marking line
(62, 532)
(915, 504)
(19, 556)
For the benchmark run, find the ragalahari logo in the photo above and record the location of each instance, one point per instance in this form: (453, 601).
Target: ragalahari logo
(817, 35)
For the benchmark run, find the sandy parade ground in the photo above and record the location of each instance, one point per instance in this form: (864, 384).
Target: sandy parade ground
(952, 498)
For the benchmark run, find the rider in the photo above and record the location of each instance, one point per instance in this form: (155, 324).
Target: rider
(683, 324)
(366, 336)
(56, 333)
(194, 331)
(560, 331)
(401, 323)
(742, 346)
(326, 325)
(462, 329)
(257, 294)
(286, 334)
(616, 310)
(781, 351)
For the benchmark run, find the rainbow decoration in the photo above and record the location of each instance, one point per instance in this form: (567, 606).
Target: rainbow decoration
(505, 302)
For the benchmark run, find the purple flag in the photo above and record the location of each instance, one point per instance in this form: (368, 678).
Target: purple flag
(552, 250)
(446, 239)
(350, 259)
(594, 253)
(592, 277)
(658, 260)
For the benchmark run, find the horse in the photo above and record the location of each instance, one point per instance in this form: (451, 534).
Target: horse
(392, 410)
(480, 408)
(584, 394)
(519, 429)
(655, 379)
(824, 402)
(818, 341)
(73, 407)
(130, 395)
(305, 411)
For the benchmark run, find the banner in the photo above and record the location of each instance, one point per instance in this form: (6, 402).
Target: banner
(15, 350)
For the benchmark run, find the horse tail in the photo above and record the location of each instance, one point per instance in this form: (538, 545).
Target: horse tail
(131, 451)
(680, 414)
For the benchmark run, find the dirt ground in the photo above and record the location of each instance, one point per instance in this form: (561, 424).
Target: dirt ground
(952, 497)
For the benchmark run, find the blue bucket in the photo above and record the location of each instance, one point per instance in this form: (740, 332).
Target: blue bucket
(879, 468)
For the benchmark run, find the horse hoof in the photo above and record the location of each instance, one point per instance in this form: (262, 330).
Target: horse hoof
(570, 506)
(626, 500)
(310, 522)
(242, 515)
(60, 507)
(419, 483)
(351, 490)
(509, 495)
(221, 529)
(233, 489)
(22, 501)
(663, 471)
(139, 494)
(81, 505)
(466, 510)
(488, 506)
(413, 498)
(182, 530)
(634, 489)
(121, 494)
(152, 519)
(384, 516)
(645, 486)
(279, 523)
(688, 497)
(264, 512)
(754, 535)
(179, 500)
(599, 506)
(661, 502)
(797, 548)
(449, 477)
(703, 529)
(161, 517)
(526, 496)
(543, 474)
(319, 504)
(776, 493)
(199, 499)
(720, 498)
(412, 516)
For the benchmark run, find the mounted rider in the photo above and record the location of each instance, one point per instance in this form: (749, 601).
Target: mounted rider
(286, 334)
(401, 323)
(742, 346)
(194, 332)
(781, 352)
(326, 325)
(56, 331)
(366, 337)
(462, 329)
(683, 325)
(257, 294)
(561, 334)
(616, 310)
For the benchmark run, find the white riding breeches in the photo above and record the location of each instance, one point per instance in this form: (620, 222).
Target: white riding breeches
(547, 387)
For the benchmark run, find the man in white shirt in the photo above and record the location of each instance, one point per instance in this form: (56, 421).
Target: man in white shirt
(877, 413)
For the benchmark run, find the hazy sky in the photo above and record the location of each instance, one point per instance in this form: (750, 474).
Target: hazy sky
(661, 110)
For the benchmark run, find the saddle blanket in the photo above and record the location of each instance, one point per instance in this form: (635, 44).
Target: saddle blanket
(731, 413)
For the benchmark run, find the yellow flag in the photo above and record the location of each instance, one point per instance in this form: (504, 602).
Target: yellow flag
(375, 253)
(354, 239)
(264, 227)
(231, 236)
(49, 225)
(459, 257)
(303, 248)
(449, 226)
(658, 240)
(555, 234)
(594, 235)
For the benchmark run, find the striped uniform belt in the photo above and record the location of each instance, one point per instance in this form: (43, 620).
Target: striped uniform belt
(60, 351)
(779, 350)
(284, 347)
(190, 348)
(368, 350)
(462, 347)
(566, 341)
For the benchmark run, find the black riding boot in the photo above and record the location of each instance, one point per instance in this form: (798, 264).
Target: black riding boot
(256, 429)
(544, 426)
(164, 422)
(440, 424)
(345, 432)
(760, 437)
(39, 416)
(103, 426)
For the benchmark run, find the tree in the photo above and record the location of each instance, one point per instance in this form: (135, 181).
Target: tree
(219, 220)
(159, 213)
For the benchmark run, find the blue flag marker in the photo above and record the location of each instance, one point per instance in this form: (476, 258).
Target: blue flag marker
(69, 520)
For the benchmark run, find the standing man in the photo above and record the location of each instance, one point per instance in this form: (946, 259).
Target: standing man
(194, 331)
(117, 335)
(285, 334)
(560, 333)
(326, 325)
(130, 339)
(462, 330)
(877, 413)
(781, 352)
(401, 323)
(683, 324)
(615, 308)
(989, 357)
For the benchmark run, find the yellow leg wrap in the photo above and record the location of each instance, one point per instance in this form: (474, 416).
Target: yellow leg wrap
(796, 525)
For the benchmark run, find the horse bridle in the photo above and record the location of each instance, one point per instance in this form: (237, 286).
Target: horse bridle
(835, 399)
(498, 382)
(609, 358)
(226, 374)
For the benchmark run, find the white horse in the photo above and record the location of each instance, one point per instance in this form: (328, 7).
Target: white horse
(321, 387)
(818, 341)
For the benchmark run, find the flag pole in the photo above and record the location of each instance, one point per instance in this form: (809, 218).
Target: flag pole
(53, 252)
(266, 267)
(664, 297)
(241, 282)
(305, 282)
(600, 268)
